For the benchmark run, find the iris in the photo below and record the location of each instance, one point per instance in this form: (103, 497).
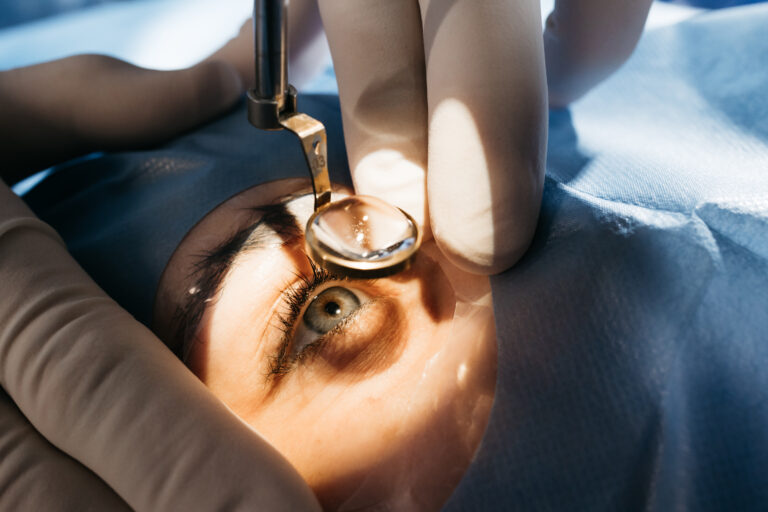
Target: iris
(329, 308)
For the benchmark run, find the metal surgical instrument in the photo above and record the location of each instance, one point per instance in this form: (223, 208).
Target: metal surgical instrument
(358, 236)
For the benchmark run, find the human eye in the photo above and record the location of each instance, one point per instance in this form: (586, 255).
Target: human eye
(326, 311)
(319, 306)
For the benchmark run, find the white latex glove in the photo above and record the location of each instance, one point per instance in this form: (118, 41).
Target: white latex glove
(444, 103)
(445, 100)
(458, 83)
(587, 40)
(94, 383)
(68, 107)
(455, 89)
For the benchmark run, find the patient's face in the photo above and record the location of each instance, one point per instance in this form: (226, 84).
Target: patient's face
(375, 390)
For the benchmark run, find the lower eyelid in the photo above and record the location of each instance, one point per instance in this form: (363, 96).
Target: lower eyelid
(364, 344)
(317, 344)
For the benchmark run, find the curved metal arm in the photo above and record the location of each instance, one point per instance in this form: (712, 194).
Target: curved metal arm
(272, 103)
(311, 133)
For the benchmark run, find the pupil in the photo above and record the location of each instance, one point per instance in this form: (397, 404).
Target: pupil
(332, 309)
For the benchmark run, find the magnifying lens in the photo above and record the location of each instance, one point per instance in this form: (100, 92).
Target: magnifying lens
(358, 236)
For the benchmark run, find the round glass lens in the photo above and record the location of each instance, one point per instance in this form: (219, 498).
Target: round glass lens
(363, 228)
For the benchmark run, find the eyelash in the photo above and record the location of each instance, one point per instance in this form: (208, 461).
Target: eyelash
(295, 299)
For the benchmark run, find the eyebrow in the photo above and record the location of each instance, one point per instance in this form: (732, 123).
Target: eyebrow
(212, 267)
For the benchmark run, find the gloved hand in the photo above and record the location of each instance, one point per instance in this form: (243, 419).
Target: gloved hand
(459, 84)
(587, 40)
(34, 475)
(444, 104)
(444, 110)
(98, 398)
(455, 89)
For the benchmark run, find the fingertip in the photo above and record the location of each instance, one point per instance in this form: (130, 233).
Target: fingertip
(480, 256)
(487, 245)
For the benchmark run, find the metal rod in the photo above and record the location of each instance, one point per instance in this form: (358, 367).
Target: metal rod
(272, 103)
(270, 33)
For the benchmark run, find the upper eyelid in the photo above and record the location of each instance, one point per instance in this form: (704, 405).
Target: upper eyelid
(327, 285)
(338, 328)
(319, 278)
(296, 295)
(310, 284)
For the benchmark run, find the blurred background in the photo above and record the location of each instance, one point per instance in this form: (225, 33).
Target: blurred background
(20, 11)
(152, 33)
(167, 34)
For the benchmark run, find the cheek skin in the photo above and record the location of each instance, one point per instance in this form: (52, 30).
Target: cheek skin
(364, 439)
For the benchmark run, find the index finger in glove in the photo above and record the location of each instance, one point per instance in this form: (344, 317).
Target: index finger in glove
(587, 40)
(486, 90)
(378, 56)
(103, 389)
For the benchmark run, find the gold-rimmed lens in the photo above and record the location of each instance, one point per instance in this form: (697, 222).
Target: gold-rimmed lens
(362, 236)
